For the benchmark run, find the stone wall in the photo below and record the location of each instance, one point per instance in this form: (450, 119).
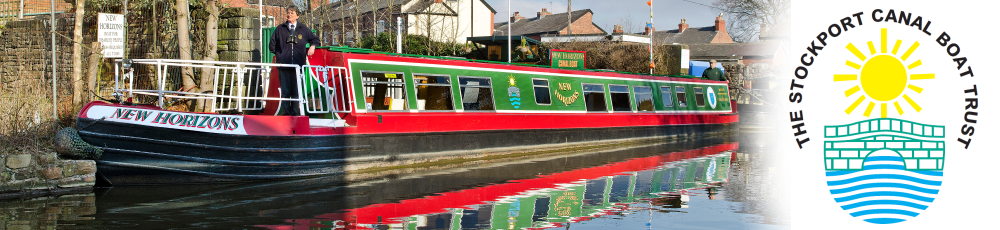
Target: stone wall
(48, 212)
(239, 36)
(43, 174)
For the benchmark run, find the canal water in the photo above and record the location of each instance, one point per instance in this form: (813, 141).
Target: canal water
(714, 183)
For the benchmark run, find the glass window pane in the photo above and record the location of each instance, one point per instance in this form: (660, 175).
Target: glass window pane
(681, 96)
(382, 77)
(441, 80)
(469, 81)
(384, 91)
(476, 94)
(668, 101)
(643, 89)
(643, 98)
(433, 93)
(620, 98)
(595, 101)
(542, 95)
(618, 88)
(699, 96)
(593, 88)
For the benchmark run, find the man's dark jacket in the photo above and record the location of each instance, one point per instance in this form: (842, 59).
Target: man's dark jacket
(287, 53)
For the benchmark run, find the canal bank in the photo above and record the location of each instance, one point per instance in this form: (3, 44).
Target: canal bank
(43, 173)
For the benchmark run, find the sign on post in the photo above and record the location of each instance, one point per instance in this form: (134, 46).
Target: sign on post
(568, 59)
(111, 34)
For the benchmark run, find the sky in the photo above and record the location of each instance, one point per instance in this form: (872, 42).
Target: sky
(667, 13)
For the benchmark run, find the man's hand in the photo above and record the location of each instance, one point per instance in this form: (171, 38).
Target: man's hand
(312, 49)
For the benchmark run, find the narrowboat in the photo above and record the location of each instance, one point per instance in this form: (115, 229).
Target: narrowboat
(364, 109)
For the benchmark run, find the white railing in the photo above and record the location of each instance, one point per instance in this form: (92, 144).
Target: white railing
(237, 85)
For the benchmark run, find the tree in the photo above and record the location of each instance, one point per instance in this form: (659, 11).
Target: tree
(211, 47)
(747, 16)
(184, 41)
(77, 55)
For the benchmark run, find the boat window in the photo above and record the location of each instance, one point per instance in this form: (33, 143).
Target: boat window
(433, 92)
(542, 95)
(593, 94)
(643, 98)
(668, 101)
(619, 98)
(682, 100)
(477, 93)
(384, 91)
(699, 96)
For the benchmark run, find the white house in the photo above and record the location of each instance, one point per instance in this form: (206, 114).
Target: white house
(441, 20)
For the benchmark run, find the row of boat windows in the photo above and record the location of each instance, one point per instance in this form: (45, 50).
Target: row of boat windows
(433, 92)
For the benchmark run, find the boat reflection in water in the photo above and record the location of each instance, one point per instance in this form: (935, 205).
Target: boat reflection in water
(548, 201)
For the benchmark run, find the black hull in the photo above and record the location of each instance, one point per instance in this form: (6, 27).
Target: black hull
(137, 154)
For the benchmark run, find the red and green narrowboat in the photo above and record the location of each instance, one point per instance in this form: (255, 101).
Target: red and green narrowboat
(365, 108)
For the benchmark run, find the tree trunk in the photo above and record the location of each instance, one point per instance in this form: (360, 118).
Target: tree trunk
(94, 64)
(211, 48)
(77, 55)
(184, 41)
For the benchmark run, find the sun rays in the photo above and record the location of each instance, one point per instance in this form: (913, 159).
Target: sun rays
(882, 78)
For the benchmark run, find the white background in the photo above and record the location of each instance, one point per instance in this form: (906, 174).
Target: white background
(111, 37)
(967, 196)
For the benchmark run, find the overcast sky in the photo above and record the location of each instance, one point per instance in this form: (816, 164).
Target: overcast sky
(607, 13)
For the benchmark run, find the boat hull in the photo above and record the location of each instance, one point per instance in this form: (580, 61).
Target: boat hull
(138, 154)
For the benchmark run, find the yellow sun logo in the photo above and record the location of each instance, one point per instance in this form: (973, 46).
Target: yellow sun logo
(884, 77)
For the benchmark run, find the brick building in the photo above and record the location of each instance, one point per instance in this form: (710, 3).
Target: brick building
(546, 23)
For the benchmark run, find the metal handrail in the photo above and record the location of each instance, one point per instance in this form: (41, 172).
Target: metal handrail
(243, 85)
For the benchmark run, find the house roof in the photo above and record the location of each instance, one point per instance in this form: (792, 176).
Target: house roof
(547, 24)
(734, 49)
(689, 36)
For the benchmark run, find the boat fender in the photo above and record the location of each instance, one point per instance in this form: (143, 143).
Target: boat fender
(69, 145)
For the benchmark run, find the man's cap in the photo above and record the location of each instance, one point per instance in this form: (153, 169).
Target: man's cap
(712, 61)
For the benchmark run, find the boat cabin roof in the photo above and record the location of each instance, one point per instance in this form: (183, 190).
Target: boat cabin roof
(460, 59)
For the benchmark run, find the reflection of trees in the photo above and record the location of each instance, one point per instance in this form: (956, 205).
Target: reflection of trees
(752, 184)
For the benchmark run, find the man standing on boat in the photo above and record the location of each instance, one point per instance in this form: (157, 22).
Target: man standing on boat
(713, 73)
(288, 43)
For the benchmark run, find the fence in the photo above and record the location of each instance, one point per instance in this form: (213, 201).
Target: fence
(34, 103)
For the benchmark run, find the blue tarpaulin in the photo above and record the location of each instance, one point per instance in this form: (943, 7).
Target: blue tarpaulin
(697, 67)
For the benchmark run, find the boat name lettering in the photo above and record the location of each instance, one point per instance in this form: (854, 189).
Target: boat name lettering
(126, 114)
(182, 120)
(567, 100)
(565, 86)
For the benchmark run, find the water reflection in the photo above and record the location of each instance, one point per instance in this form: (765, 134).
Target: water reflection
(704, 183)
(549, 201)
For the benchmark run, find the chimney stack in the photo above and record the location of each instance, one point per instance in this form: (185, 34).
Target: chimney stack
(438, 1)
(720, 24)
(649, 29)
(517, 16)
(683, 26)
(545, 12)
(618, 30)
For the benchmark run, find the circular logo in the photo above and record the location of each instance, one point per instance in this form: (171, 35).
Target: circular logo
(711, 97)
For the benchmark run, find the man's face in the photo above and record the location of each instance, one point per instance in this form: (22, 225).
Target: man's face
(711, 65)
(292, 16)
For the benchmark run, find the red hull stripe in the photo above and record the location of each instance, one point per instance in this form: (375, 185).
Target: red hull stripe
(457, 122)
(387, 123)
